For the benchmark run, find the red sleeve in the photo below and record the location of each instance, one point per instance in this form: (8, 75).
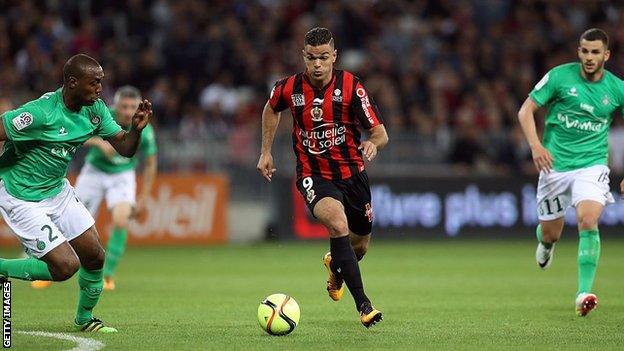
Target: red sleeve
(365, 108)
(276, 100)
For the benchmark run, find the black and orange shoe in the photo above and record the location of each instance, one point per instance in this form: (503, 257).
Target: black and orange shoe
(369, 315)
(335, 286)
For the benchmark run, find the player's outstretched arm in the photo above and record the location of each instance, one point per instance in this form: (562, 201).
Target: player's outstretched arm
(126, 143)
(377, 140)
(270, 121)
(542, 159)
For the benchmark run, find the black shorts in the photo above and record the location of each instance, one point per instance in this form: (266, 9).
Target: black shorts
(354, 194)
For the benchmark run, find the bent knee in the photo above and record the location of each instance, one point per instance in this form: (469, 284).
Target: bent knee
(360, 250)
(338, 227)
(95, 260)
(588, 222)
(64, 270)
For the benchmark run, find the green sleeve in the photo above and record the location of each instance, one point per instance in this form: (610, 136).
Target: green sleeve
(25, 123)
(108, 127)
(546, 89)
(148, 141)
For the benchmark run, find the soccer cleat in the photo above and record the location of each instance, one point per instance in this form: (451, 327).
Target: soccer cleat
(94, 326)
(335, 286)
(585, 303)
(109, 283)
(41, 284)
(544, 256)
(369, 315)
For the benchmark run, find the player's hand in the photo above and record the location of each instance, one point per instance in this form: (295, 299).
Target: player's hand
(542, 159)
(622, 188)
(140, 210)
(142, 115)
(265, 166)
(369, 150)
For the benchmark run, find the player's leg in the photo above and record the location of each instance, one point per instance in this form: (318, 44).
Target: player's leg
(116, 242)
(50, 256)
(548, 233)
(331, 213)
(360, 244)
(76, 222)
(89, 190)
(359, 213)
(121, 198)
(588, 213)
(590, 194)
(553, 199)
(313, 189)
(90, 281)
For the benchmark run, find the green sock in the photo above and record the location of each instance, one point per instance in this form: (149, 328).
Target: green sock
(25, 268)
(588, 254)
(538, 233)
(90, 283)
(115, 249)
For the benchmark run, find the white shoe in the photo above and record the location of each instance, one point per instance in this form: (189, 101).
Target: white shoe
(544, 256)
(585, 302)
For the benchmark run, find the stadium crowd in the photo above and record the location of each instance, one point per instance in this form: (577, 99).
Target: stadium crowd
(450, 74)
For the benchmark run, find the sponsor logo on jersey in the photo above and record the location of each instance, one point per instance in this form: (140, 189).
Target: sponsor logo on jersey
(22, 121)
(587, 107)
(61, 151)
(586, 126)
(573, 92)
(62, 131)
(337, 97)
(605, 100)
(361, 93)
(323, 137)
(298, 99)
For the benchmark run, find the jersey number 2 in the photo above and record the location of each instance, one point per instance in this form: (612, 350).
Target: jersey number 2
(51, 236)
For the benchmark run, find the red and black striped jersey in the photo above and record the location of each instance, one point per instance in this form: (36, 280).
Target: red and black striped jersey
(326, 122)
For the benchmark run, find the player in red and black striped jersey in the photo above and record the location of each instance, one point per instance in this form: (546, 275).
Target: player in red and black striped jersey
(329, 109)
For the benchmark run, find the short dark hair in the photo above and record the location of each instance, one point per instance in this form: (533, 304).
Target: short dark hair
(127, 91)
(593, 34)
(77, 65)
(319, 36)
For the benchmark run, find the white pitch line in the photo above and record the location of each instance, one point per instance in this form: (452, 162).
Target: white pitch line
(82, 344)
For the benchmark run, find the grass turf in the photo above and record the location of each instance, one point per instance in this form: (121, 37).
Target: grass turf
(460, 295)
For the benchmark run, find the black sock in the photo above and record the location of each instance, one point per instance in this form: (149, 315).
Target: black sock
(345, 263)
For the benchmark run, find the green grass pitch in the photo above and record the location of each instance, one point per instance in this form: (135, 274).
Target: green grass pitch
(459, 295)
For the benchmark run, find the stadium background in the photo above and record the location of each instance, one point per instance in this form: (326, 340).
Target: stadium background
(448, 77)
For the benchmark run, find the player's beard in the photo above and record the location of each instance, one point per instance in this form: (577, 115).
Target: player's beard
(597, 68)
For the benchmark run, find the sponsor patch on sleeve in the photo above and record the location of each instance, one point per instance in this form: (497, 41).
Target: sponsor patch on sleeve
(22, 121)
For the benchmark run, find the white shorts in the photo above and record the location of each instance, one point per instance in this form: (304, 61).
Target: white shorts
(94, 185)
(556, 191)
(42, 226)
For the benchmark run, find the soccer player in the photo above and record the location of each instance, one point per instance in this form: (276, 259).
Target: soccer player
(36, 200)
(581, 98)
(106, 174)
(329, 107)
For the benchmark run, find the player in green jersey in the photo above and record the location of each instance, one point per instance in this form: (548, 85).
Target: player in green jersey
(572, 158)
(108, 175)
(36, 200)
